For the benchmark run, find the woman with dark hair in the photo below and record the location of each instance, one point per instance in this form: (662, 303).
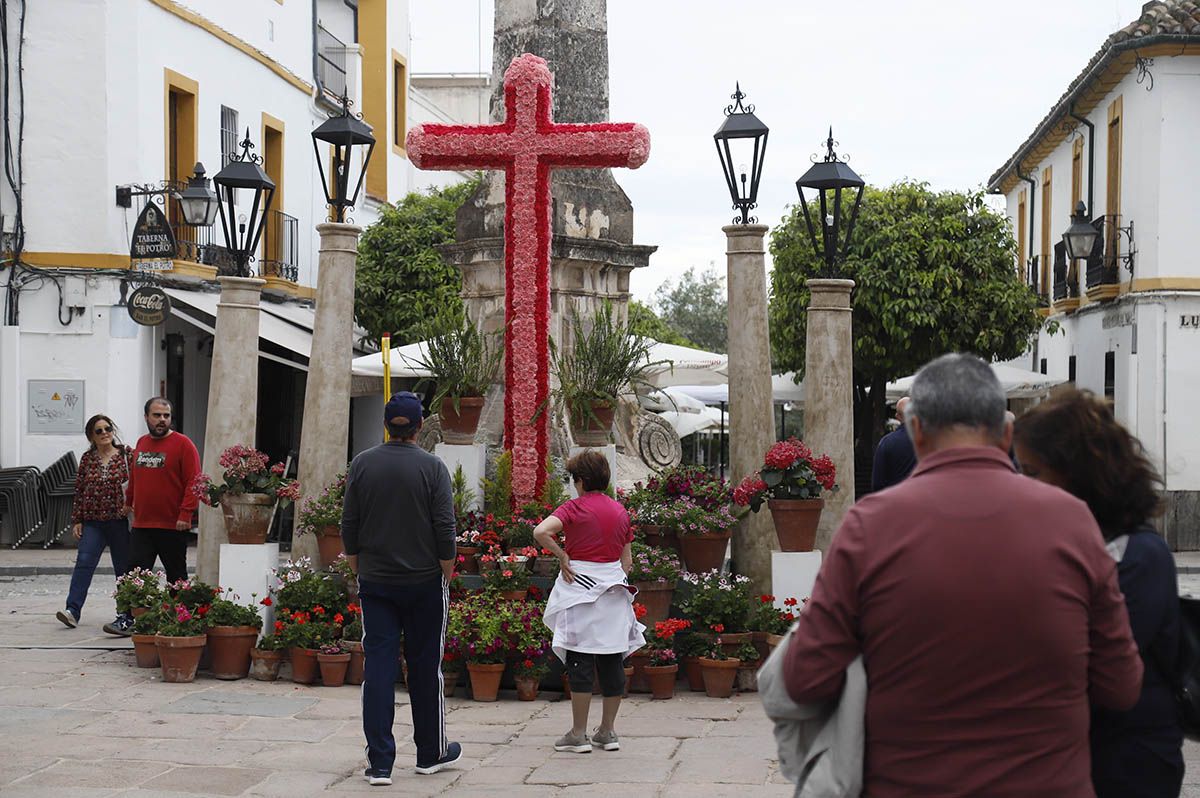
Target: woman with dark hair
(1075, 443)
(97, 517)
(590, 610)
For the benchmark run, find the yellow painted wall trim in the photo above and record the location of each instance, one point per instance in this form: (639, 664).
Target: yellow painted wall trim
(372, 35)
(1104, 292)
(189, 146)
(1044, 312)
(76, 260)
(400, 109)
(187, 15)
(188, 268)
(1165, 284)
(1066, 305)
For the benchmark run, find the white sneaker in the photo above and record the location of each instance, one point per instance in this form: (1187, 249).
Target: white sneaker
(573, 744)
(68, 618)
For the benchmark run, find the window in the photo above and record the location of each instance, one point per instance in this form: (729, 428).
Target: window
(1110, 374)
(1071, 369)
(1113, 202)
(229, 134)
(1047, 223)
(1077, 173)
(1021, 236)
(1043, 364)
(399, 100)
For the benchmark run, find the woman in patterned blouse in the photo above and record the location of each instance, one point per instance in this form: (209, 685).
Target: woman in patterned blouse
(97, 520)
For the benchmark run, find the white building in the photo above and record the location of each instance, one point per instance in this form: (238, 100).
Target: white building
(128, 94)
(1123, 139)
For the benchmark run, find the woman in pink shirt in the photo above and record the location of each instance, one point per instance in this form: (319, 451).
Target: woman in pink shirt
(590, 609)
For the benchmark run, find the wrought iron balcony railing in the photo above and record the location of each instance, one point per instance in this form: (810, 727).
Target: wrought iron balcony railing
(1102, 265)
(280, 246)
(331, 62)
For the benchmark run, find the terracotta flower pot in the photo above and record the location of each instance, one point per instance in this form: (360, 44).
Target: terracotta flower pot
(264, 665)
(229, 648)
(514, 595)
(485, 679)
(628, 679)
(179, 656)
(772, 642)
(449, 682)
(661, 679)
(704, 552)
(693, 674)
(593, 429)
(663, 537)
(730, 642)
(747, 679)
(527, 688)
(138, 612)
(566, 682)
(639, 659)
(333, 668)
(656, 598)
(458, 426)
(719, 676)
(304, 665)
(759, 639)
(354, 674)
(470, 565)
(329, 543)
(796, 522)
(145, 650)
(247, 517)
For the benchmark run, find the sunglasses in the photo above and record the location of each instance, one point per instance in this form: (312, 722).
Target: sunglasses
(101, 430)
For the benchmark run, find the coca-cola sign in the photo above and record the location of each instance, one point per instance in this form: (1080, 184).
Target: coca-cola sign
(148, 306)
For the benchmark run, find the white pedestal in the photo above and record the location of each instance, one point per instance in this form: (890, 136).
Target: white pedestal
(610, 454)
(246, 570)
(793, 574)
(472, 458)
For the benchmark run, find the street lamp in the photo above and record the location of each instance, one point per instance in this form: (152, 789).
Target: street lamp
(243, 172)
(830, 175)
(745, 136)
(1081, 236)
(343, 133)
(198, 202)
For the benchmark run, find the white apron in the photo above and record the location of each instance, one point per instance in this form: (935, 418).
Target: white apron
(593, 614)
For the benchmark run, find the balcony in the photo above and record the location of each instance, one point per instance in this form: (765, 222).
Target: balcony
(1066, 281)
(331, 62)
(1103, 265)
(280, 247)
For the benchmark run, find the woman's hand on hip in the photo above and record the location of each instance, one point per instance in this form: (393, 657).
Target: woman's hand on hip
(77, 531)
(564, 568)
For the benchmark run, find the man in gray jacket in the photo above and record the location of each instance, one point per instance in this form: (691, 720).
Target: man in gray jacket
(398, 532)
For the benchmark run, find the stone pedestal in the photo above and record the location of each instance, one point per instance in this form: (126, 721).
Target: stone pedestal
(246, 570)
(473, 460)
(793, 574)
(324, 436)
(829, 393)
(610, 454)
(232, 402)
(751, 420)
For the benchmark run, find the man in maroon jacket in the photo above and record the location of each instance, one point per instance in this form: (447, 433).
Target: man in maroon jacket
(984, 605)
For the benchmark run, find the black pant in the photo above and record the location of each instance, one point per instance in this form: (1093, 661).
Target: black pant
(168, 545)
(584, 669)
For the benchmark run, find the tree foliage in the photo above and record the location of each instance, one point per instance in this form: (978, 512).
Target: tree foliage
(695, 307)
(645, 322)
(402, 280)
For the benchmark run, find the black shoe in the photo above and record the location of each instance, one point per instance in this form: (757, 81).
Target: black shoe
(453, 754)
(68, 618)
(378, 778)
(121, 626)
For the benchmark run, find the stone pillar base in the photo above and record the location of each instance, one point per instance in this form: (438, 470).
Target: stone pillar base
(473, 460)
(246, 570)
(793, 574)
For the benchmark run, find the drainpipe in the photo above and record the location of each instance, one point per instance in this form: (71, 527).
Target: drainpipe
(1091, 145)
(1032, 204)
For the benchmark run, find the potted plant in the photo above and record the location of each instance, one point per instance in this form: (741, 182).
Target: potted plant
(145, 631)
(462, 361)
(233, 628)
(510, 577)
(719, 671)
(455, 646)
(321, 516)
(529, 646)
(791, 482)
(654, 574)
(663, 666)
(249, 491)
(180, 639)
(766, 622)
(719, 603)
(636, 683)
(747, 673)
(304, 637)
(333, 660)
(138, 590)
(688, 649)
(266, 657)
(645, 508)
(484, 623)
(704, 535)
(352, 634)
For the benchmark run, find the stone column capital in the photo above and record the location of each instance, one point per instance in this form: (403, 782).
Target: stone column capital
(744, 238)
(334, 229)
(829, 294)
(240, 292)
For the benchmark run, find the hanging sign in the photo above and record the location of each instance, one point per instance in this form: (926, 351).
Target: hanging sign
(153, 238)
(148, 306)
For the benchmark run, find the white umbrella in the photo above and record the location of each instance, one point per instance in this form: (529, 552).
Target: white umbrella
(783, 389)
(672, 399)
(685, 424)
(687, 366)
(405, 362)
(1017, 383)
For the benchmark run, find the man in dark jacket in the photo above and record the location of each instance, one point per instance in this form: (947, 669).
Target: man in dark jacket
(894, 457)
(398, 532)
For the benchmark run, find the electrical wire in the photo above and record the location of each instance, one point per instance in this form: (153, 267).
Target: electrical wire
(18, 276)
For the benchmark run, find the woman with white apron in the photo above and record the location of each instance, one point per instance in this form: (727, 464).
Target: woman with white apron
(590, 610)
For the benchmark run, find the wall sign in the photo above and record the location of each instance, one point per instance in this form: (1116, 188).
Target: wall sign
(153, 237)
(1122, 318)
(1189, 322)
(55, 407)
(148, 306)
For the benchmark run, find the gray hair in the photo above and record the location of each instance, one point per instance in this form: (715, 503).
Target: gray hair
(957, 390)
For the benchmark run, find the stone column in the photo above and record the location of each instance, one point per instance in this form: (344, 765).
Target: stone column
(829, 393)
(323, 439)
(232, 402)
(751, 420)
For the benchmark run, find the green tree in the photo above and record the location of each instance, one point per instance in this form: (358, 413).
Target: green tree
(402, 279)
(695, 307)
(645, 322)
(933, 273)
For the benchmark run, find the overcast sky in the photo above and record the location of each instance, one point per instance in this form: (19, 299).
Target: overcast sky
(931, 90)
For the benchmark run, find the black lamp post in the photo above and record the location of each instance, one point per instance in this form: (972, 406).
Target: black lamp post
(343, 133)
(824, 177)
(741, 144)
(198, 202)
(243, 172)
(1081, 236)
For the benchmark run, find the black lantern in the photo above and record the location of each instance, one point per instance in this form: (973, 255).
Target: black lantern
(343, 133)
(741, 144)
(198, 202)
(829, 178)
(243, 172)
(1081, 236)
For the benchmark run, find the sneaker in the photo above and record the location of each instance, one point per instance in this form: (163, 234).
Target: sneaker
(574, 744)
(453, 754)
(68, 618)
(121, 626)
(378, 778)
(606, 740)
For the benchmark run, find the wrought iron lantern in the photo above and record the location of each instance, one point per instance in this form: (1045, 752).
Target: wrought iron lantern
(198, 202)
(244, 172)
(829, 178)
(741, 145)
(344, 133)
(1080, 238)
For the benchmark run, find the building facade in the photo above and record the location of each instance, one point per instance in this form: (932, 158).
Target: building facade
(1124, 323)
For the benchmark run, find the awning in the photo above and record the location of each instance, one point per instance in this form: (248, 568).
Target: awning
(1018, 383)
(271, 327)
(783, 389)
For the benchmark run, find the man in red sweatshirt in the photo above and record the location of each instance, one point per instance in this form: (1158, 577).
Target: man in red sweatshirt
(164, 464)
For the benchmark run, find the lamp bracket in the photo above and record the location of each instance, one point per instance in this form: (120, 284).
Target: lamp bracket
(1127, 257)
(1143, 70)
(157, 191)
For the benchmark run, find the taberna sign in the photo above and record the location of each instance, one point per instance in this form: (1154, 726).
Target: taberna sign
(152, 235)
(148, 306)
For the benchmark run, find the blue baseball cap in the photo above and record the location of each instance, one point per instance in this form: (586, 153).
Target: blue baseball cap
(403, 409)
